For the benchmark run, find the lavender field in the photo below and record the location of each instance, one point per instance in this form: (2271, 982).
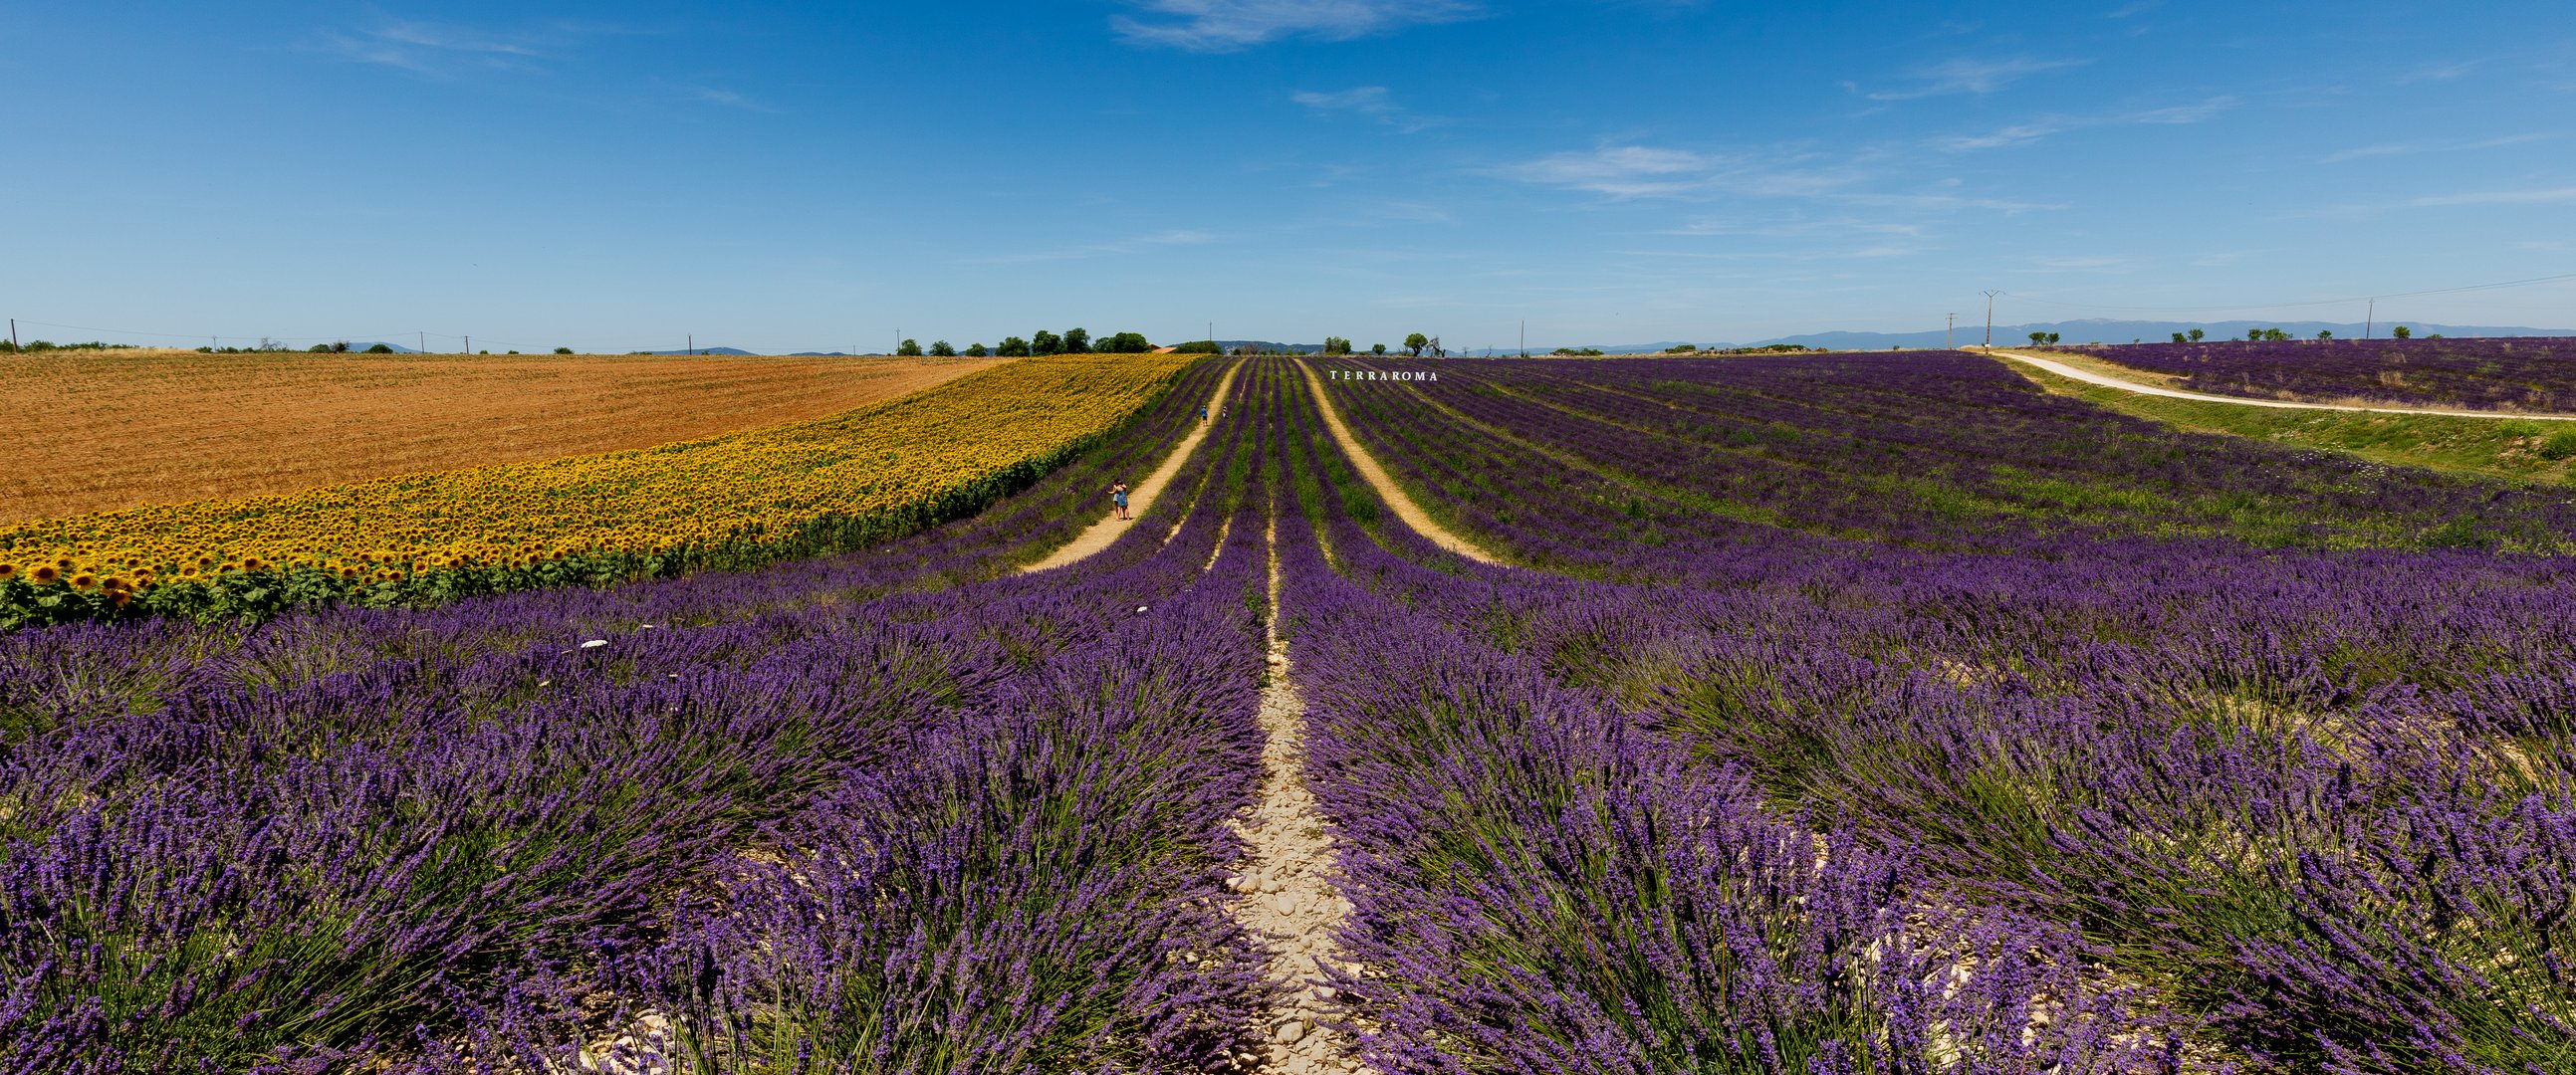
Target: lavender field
(2518, 374)
(1828, 714)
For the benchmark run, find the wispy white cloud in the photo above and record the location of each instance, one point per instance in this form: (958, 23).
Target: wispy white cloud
(2191, 113)
(2401, 149)
(2035, 130)
(1620, 171)
(1970, 75)
(431, 48)
(1648, 172)
(2544, 196)
(1372, 101)
(1230, 25)
(2135, 8)
(728, 98)
(1797, 228)
(2436, 72)
(2082, 264)
(1634, 172)
(1179, 237)
(1948, 202)
(1360, 99)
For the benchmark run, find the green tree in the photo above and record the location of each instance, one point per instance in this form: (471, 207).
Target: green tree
(1077, 341)
(2252, 334)
(1125, 343)
(1046, 343)
(1199, 347)
(942, 349)
(1377, 349)
(1414, 344)
(2177, 337)
(2195, 335)
(2325, 334)
(380, 349)
(1335, 345)
(2402, 332)
(908, 349)
(976, 350)
(2038, 338)
(2052, 337)
(563, 350)
(1013, 347)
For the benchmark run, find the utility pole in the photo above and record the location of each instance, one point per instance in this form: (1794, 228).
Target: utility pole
(1524, 339)
(1950, 335)
(1990, 319)
(13, 334)
(693, 345)
(2371, 319)
(469, 345)
(424, 343)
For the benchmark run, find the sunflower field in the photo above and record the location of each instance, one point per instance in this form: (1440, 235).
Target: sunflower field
(728, 501)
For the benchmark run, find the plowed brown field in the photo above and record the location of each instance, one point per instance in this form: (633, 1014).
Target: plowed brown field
(87, 431)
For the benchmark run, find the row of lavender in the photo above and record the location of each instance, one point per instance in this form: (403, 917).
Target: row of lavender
(1543, 882)
(1925, 450)
(2305, 811)
(823, 817)
(2535, 373)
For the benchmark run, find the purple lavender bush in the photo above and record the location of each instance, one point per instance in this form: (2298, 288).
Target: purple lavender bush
(447, 837)
(2513, 374)
(2312, 796)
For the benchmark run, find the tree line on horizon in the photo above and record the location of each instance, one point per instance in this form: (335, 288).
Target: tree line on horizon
(1074, 341)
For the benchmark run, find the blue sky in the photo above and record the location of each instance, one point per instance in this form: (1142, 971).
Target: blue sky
(793, 176)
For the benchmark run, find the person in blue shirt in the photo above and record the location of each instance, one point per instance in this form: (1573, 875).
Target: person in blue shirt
(1118, 496)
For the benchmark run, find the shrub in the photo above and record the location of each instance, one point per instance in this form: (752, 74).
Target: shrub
(381, 349)
(2559, 445)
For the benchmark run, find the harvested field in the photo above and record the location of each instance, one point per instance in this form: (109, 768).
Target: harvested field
(120, 428)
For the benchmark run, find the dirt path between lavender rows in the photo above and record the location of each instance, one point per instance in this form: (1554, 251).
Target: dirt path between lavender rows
(1396, 498)
(2089, 377)
(1142, 494)
(1287, 881)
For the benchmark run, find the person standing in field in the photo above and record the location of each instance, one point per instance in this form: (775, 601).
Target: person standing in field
(1203, 412)
(1118, 496)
